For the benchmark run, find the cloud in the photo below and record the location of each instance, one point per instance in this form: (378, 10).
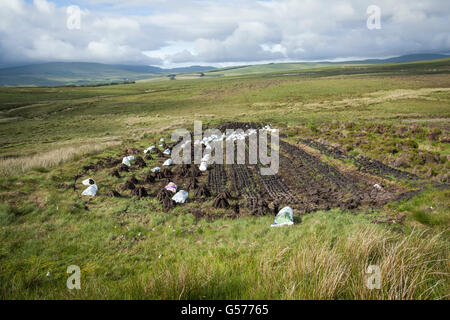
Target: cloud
(44, 7)
(37, 32)
(216, 32)
(243, 44)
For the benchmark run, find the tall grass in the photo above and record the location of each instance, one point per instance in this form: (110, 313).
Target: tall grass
(323, 257)
(14, 166)
(318, 267)
(412, 267)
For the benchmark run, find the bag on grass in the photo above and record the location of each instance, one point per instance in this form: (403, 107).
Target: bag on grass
(180, 197)
(126, 160)
(149, 149)
(171, 187)
(90, 191)
(168, 162)
(88, 182)
(285, 217)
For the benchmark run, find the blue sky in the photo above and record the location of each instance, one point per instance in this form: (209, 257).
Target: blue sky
(117, 7)
(220, 33)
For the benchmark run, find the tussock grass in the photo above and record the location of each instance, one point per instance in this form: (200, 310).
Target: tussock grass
(411, 268)
(323, 257)
(14, 166)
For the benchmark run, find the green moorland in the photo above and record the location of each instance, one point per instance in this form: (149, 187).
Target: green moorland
(129, 248)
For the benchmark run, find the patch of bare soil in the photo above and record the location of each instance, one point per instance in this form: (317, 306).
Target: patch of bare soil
(364, 164)
(305, 181)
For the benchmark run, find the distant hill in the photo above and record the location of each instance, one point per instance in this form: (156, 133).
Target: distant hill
(82, 73)
(296, 66)
(159, 71)
(189, 69)
(405, 58)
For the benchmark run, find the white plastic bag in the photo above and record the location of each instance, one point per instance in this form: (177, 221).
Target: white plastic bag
(149, 149)
(88, 182)
(285, 217)
(90, 191)
(156, 169)
(126, 160)
(168, 162)
(167, 151)
(181, 196)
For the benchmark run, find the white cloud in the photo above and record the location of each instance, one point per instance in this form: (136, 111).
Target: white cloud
(219, 32)
(44, 6)
(13, 6)
(117, 24)
(46, 47)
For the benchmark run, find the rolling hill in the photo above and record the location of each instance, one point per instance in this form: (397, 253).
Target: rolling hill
(405, 58)
(82, 73)
(299, 66)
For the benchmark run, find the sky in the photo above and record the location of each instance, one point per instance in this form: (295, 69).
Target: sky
(172, 33)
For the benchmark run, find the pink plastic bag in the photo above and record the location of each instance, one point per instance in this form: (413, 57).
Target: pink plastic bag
(171, 187)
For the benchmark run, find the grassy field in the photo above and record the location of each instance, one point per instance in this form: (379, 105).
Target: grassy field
(130, 249)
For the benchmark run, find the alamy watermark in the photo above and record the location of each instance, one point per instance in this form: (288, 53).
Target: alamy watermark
(374, 19)
(373, 281)
(73, 18)
(74, 280)
(251, 146)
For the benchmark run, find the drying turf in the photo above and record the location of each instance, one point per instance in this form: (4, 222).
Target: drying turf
(305, 180)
